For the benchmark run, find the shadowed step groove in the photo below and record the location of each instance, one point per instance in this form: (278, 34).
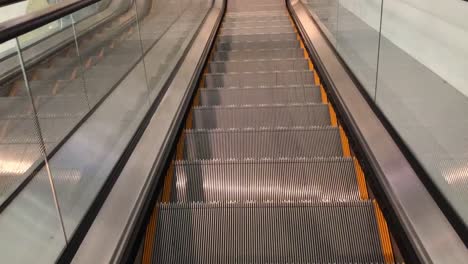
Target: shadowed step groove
(259, 54)
(267, 233)
(261, 44)
(263, 95)
(265, 79)
(269, 65)
(301, 179)
(256, 116)
(262, 143)
(258, 37)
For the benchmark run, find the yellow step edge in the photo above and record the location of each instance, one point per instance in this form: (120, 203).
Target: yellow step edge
(149, 238)
(384, 235)
(344, 142)
(333, 120)
(361, 180)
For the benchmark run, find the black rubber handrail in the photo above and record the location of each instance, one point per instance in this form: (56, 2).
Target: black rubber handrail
(15, 27)
(9, 2)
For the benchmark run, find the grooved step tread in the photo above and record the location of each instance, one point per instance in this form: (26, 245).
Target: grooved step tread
(261, 44)
(269, 65)
(267, 233)
(257, 116)
(258, 37)
(266, 54)
(262, 143)
(263, 95)
(242, 180)
(263, 79)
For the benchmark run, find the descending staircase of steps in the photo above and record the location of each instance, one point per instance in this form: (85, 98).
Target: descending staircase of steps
(265, 174)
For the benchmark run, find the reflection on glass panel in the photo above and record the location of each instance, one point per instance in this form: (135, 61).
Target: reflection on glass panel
(358, 38)
(110, 78)
(89, 85)
(422, 88)
(325, 12)
(177, 23)
(25, 227)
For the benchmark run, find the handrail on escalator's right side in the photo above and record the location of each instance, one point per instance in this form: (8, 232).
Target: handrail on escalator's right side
(9, 2)
(18, 26)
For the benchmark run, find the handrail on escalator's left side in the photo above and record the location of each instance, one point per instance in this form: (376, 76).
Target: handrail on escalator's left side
(9, 2)
(18, 26)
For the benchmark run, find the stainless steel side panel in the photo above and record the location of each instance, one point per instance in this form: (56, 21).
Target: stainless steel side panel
(431, 235)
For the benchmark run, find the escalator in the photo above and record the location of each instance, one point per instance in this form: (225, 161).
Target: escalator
(64, 88)
(263, 171)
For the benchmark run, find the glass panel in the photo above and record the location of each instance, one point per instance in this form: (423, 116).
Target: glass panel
(109, 80)
(325, 13)
(30, 226)
(358, 38)
(89, 85)
(26, 7)
(168, 28)
(422, 88)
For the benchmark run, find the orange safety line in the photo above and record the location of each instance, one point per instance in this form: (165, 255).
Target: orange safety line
(149, 238)
(333, 120)
(323, 94)
(384, 235)
(14, 89)
(361, 180)
(55, 88)
(344, 142)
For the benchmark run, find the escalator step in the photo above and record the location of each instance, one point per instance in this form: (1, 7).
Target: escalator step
(24, 130)
(318, 179)
(262, 44)
(262, 143)
(298, 64)
(258, 37)
(257, 116)
(264, 79)
(255, 18)
(258, 54)
(256, 30)
(267, 233)
(15, 107)
(57, 73)
(257, 24)
(265, 95)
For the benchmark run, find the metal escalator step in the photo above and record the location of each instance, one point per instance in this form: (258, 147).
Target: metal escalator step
(38, 87)
(107, 71)
(256, 7)
(238, 55)
(267, 233)
(262, 143)
(258, 37)
(298, 64)
(61, 106)
(266, 95)
(57, 73)
(248, 24)
(65, 61)
(265, 79)
(306, 179)
(254, 19)
(115, 59)
(262, 44)
(15, 107)
(255, 14)
(257, 116)
(25, 131)
(256, 30)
